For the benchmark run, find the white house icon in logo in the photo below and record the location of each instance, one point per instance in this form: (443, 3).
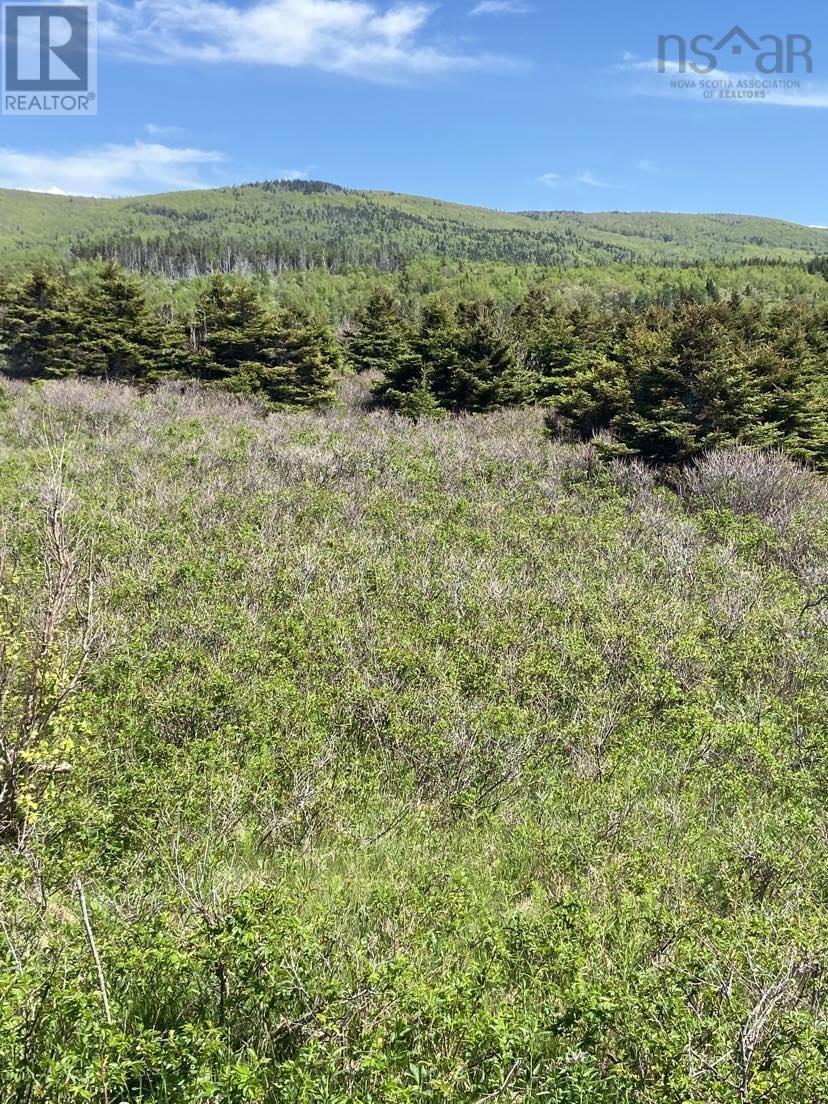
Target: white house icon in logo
(736, 48)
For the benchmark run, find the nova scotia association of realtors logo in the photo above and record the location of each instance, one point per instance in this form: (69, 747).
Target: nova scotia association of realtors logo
(776, 60)
(49, 59)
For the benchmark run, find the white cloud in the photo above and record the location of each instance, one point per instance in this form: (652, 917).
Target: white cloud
(501, 7)
(647, 166)
(352, 37)
(584, 176)
(156, 130)
(292, 174)
(811, 95)
(108, 170)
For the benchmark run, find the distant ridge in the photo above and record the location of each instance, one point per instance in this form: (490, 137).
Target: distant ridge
(301, 224)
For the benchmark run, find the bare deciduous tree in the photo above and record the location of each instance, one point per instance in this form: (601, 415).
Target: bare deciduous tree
(45, 647)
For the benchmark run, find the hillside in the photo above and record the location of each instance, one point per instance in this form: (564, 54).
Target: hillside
(408, 762)
(276, 226)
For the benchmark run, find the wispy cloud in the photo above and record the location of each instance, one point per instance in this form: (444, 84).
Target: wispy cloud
(352, 37)
(583, 177)
(647, 166)
(501, 7)
(293, 174)
(109, 170)
(156, 130)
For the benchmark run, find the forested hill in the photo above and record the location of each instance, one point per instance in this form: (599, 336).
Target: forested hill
(274, 226)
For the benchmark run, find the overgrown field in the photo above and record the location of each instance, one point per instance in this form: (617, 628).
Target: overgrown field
(386, 761)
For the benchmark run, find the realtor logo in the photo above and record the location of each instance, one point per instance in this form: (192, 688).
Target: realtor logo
(49, 59)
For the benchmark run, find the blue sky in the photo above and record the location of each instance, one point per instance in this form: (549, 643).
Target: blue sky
(516, 104)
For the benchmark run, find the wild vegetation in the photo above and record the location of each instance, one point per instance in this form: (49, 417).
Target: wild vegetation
(278, 226)
(349, 757)
(666, 382)
(107, 329)
(413, 667)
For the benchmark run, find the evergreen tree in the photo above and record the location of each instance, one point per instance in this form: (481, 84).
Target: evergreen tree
(230, 332)
(488, 374)
(39, 328)
(658, 423)
(287, 359)
(119, 336)
(5, 304)
(381, 342)
(790, 380)
(691, 388)
(552, 348)
(595, 396)
(411, 382)
(311, 353)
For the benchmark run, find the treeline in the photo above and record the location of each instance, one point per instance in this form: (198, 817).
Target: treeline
(183, 255)
(107, 329)
(665, 382)
(338, 296)
(349, 239)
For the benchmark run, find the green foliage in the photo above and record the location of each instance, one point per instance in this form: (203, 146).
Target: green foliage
(671, 384)
(412, 762)
(38, 328)
(569, 353)
(106, 328)
(668, 382)
(118, 336)
(380, 342)
(276, 227)
(456, 359)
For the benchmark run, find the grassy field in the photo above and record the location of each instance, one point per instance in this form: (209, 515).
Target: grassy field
(274, 226)
(390, 762)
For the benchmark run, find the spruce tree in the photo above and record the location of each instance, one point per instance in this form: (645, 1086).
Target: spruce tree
(381, 342)
(553, 349)
(592, 397)
(691, 388)
(657, 424)
(39, 328)
(488, 374)
(412, 383)
(120, 337)
(311, 354)
(790, 380)
(287, 359)
(230, 332)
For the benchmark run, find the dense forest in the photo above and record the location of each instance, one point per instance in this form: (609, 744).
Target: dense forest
(281, 226)
(664, 381)
(667, 384)
(107, 330)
